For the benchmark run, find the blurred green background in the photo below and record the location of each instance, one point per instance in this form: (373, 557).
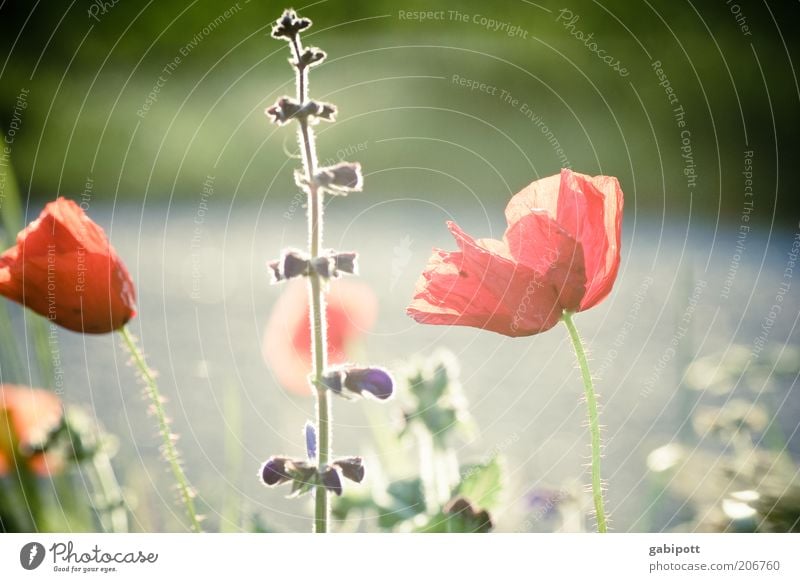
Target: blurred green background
(89, 67)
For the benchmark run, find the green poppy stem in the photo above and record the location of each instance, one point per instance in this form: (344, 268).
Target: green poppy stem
(594, 424)
(170, 451)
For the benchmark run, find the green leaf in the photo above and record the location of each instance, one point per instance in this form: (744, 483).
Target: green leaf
(482, 483)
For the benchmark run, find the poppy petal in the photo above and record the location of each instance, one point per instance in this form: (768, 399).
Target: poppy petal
(601, 232)
(480, 288)
(537, 240)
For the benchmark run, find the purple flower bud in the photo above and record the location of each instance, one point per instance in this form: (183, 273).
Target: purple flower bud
(275, 268)
(311, 441)
(295, 264)
(332, 380)
(346, 263)
(326, 111)
(284, 110)
(374, 380)
(291, 264)
(289, 24)
(342, 178)
(351, 467)
(273, 472)
(324, 267)
(310, 57)
(332, 481)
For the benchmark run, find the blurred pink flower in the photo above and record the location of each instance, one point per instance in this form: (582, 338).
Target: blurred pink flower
(27, 416)
(351, 309)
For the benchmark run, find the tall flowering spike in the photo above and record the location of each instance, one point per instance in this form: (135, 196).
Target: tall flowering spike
(317, 333)
(560, 252)
(64, 268)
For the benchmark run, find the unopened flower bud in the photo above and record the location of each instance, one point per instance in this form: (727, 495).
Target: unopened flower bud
(289, 24)
(351, 467)
(341, 178)
(284, 110)
(310, 57)
(332, 264)
(295, 264)
(345, 263)
(275, 271)
(324, 267)
(311, 440)
(332, 481)
(375, 381)
(472, 520)
(332, 380)
(326, 111)
(273, 472)
(292, 264)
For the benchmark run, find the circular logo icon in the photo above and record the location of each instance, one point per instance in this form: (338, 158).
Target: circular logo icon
(31, 555)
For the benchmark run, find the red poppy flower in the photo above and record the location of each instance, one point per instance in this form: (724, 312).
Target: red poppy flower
(351, 310)
(561, 251)
(64, 268)
(27, 416)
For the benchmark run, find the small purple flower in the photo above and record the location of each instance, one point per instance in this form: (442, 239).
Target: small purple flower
(332, 380)
(273, 472)
(332, 481)
(289, 24)
(346, 263)
(341, 178)
(311, 440)
(351, 467)
(376, 381)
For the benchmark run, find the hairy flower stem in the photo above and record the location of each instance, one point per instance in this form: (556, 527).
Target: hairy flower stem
(594, 424)
(317, 298)
(170, 451)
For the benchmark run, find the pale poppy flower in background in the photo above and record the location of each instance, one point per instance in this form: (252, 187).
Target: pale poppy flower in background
(27, 417)
(351, 310)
